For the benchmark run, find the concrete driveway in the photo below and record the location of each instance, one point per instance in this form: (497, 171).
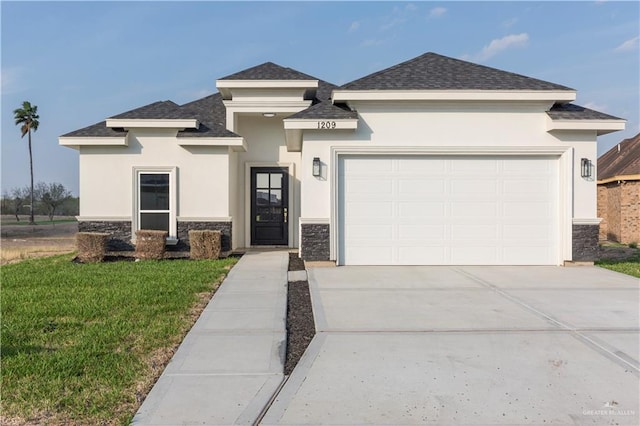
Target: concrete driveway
(467, 345)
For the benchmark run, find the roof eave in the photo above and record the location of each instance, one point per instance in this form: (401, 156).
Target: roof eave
(454, 95)
(76, 142)
(237, 144)
(226, 86)
(166, 123)
(619, 178)
(601, 127)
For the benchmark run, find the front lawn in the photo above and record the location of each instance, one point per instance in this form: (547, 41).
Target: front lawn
(629, 266)
(83, 344)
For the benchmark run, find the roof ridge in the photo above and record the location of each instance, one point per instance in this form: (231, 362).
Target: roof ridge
(432, 71)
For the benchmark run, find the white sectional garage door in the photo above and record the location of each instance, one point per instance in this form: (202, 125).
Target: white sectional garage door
(435, 210)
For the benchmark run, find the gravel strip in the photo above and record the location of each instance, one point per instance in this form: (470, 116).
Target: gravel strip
(300, 325)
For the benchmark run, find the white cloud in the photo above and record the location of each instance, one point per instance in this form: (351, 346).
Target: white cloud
(354, 26)
(399, 16)
(499, 45)
(437, 12)
(627, 46)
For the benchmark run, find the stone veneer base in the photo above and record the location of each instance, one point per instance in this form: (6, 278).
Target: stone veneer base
(185, 227)
(314, 241)
(120, 239)
(585, 243)
(120, 231)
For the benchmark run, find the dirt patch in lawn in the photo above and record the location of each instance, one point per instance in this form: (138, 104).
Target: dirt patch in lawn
(617, 252)
(21, 242)
(300, 324)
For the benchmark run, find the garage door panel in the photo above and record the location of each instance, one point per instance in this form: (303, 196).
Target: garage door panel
(372, 166)
(526, 187)
(474, 255)
(421, 166)
(356, 187)
(520, 234)
(432, 210)
(524, 255)
(362, 209)
(474, 187)
(414, 186)
(421, 233)
(473, 209)
(421, 209)
(474, 166)
(528, 209)
(470, 232)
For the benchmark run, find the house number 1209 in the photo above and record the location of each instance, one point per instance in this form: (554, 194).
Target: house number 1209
(326, 124)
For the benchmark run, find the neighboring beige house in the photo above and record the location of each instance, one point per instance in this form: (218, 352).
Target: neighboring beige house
(619, 192)
(434, 161)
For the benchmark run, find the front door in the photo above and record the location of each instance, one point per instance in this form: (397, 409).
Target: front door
(269, 206)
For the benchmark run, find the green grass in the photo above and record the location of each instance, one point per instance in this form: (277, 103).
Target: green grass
(81, 344)
(630, 266)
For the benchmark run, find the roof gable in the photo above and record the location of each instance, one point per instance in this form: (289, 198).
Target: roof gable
(268, 71)
(431, 71)
(211, 114)
(621, 160)
(162, 110)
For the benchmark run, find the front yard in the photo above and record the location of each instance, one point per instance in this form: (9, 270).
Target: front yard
(620, 258)
(83, 344)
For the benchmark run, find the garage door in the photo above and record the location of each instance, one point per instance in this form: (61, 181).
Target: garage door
(435, 210)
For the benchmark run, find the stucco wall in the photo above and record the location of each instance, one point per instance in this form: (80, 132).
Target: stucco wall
(107, 180)
(447, 125)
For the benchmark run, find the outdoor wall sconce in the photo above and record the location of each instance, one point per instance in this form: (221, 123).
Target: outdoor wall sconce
(586, 168)
(316, 167)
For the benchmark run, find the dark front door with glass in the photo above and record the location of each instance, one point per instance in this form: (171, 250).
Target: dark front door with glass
(269, 205)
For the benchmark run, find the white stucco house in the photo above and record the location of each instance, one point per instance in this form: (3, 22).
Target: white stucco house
(434, 161)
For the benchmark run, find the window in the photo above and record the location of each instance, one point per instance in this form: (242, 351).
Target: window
(154, 201)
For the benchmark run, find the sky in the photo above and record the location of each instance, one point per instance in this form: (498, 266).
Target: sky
(81, 62)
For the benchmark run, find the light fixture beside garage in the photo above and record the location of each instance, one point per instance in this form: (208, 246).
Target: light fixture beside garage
(316, 167)
(586, 168)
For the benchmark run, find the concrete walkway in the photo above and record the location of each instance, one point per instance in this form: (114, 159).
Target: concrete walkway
(230, 364)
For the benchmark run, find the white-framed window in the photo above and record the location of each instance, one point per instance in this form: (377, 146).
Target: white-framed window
(155, 200)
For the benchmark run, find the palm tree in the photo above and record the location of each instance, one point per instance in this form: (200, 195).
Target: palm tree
(27, 117)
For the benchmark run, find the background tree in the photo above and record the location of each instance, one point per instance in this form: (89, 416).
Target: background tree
(19, 197)
(28, 119)
(52, 196)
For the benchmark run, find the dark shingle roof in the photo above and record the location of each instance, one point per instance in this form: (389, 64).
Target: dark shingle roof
(96, 130)
(211, 114)
(162, 110)
(621, 160)
(268, 71)
(325, 110)
(436, 72)
(577, 112)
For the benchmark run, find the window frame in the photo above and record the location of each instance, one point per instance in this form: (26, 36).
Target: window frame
(172, 238)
